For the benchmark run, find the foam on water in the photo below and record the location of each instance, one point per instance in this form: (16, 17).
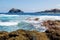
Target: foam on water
(8, 23)
(14, 22)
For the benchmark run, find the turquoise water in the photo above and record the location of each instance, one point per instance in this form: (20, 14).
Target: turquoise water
(11, 23)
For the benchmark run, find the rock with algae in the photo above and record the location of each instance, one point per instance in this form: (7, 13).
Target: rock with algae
(23, 35)
(53, 31)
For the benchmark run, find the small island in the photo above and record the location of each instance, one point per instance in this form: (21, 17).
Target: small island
(50, 11)
(13, 10)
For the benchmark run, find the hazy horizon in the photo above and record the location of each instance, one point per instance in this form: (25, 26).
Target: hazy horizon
(28, 5)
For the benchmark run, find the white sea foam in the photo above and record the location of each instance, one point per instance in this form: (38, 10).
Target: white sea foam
(42, 18)
(8, 15)
(31, 20)
(8, 23)
(37, 24)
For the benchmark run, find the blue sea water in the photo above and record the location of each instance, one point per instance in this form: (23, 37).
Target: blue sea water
(11, 23)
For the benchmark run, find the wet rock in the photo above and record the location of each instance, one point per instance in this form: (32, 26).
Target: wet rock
(38, 35)
(52, 24)
(53, 31)
(23, 35)
(3, 35)
(36, 19)
(53, 34)
(13, 35)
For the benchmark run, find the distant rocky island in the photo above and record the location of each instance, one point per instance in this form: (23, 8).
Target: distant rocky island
(50, 11)
(13, 10)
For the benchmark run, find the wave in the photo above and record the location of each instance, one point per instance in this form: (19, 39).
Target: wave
(8, 23)
(25, 22)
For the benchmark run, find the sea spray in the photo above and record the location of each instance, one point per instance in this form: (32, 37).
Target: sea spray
(21, 22)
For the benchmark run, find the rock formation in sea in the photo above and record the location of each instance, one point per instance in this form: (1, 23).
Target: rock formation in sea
(13, 10)
(50, 11)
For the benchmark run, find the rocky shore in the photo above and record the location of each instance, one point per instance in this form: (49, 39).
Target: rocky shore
(23, 35)
(52, 33)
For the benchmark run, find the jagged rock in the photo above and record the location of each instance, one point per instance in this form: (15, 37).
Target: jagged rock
(3, 35)
(53, 31)
(52, 24)
(25, 35)
(53, 34)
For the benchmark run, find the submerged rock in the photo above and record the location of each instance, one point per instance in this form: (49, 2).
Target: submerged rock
(52, 24)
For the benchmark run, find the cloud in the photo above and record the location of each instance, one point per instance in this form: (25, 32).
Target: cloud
(58, 5)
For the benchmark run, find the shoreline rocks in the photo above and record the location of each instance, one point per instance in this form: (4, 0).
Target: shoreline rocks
(30, 35)
(52, 33)
(24, 35)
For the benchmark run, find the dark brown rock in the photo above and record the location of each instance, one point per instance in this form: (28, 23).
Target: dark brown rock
(23, 35)
(3, 35)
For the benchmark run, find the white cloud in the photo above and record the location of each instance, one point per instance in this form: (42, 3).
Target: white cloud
(58, 5)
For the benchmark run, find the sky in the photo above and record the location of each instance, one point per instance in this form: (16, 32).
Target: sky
(28, 5)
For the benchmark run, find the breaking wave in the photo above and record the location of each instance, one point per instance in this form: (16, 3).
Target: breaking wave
(26, 22)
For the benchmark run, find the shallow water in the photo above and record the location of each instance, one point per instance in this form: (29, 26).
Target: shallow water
(26, 22)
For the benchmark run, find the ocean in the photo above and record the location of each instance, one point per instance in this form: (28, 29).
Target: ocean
(27, 21)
